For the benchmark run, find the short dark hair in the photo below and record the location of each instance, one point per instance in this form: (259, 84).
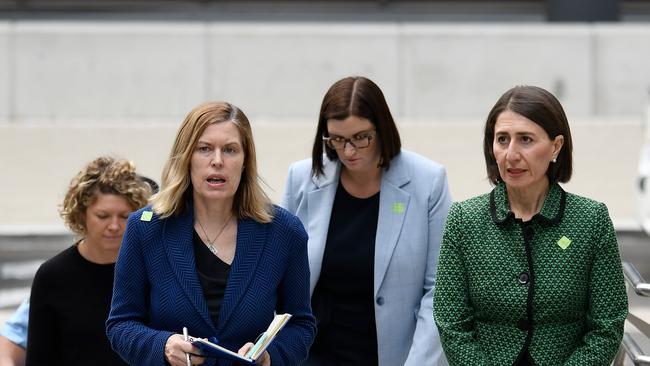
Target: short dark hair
(541, 107)
(360, 97)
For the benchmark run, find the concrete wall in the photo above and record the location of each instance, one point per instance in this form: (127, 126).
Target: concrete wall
(72, 90)
(64, 71)
(39, 161)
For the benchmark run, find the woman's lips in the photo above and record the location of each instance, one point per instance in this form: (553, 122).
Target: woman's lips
(516, 172)
(216, 179)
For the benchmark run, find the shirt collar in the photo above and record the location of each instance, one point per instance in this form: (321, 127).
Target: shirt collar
(551, 212)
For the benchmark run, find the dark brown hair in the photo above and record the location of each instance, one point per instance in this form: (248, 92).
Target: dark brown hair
(541, 107)
(360, 97)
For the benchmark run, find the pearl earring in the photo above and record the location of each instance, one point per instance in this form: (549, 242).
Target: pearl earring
(554, 160)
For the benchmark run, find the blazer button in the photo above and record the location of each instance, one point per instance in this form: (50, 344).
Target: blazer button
(524, 278)
(380, 301)
(523, 324)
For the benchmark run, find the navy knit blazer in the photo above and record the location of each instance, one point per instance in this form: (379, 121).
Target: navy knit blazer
(157, 291)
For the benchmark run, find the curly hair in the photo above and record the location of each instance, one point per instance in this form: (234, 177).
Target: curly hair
(103, 175)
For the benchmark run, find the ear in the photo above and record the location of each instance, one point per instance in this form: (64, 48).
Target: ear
(558, 142)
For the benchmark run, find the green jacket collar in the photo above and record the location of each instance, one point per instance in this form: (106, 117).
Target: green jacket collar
(551, 212)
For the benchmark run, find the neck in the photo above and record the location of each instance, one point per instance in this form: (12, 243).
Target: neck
(95, 254)
(208, 211)
(528, 201)
(361, 184)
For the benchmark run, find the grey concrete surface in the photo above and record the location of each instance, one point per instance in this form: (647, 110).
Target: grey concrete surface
(38, 161)
(124, 71)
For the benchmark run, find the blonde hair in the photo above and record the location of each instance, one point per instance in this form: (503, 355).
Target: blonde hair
(102, 175)
(250, 200)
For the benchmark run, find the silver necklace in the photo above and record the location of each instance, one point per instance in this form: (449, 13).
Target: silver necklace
(210, 243)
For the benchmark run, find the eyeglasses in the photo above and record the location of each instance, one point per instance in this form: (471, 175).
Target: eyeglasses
(358, 141)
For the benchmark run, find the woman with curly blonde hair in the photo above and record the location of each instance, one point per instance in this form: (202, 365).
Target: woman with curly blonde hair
(71, 292)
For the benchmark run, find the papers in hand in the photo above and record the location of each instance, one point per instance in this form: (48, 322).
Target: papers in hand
(212, 349)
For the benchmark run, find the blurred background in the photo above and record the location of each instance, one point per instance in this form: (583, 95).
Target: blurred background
(80, 78)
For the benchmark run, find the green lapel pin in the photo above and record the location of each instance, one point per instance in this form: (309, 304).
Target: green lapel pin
(564, 242)
(398, 207)
(146, 216)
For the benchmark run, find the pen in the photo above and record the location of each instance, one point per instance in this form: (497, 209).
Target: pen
(187, 355)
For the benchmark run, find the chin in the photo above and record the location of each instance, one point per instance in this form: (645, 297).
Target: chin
(516, 183)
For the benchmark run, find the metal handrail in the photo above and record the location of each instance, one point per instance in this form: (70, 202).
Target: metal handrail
(634, 278)
(628, 346)
(634, 351)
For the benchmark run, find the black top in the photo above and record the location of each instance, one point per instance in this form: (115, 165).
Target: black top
(213, 276)
(69, 304)
(343, 299)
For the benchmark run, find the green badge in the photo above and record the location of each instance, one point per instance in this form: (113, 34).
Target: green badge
(564, 242)
(146, 216)
(398, 207)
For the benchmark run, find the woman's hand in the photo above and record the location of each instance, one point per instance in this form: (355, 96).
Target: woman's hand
(176, 350)
(264, 360)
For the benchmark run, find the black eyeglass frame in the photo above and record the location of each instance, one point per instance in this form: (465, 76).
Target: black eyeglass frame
(369, 136)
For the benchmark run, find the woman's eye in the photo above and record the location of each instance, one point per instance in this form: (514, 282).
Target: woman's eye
(203, 149)
(526, 139)
(229, 150)
(502, 140)
(360, 137)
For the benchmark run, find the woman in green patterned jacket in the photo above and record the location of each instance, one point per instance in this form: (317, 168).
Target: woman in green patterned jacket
(529, 274)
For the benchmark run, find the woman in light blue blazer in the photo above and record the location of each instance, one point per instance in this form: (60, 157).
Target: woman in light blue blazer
(211, 254)
(374, 214)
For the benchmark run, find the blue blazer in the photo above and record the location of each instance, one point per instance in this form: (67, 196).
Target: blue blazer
(413, 205)
(157, 292)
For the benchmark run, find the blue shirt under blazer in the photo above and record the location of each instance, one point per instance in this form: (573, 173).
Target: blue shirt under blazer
(157, 290)
(413, 205)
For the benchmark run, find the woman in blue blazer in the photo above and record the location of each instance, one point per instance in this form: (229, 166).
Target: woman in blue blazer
(210, 254)
(375, 215)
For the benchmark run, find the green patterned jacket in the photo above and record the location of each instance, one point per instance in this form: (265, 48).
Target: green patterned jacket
(554, 284)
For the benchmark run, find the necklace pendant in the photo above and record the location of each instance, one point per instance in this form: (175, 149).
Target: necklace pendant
(212, 248)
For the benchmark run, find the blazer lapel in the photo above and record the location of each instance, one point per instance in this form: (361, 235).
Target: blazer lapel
(251, 237)
(393, 205)
(319, 206)
(177, 238)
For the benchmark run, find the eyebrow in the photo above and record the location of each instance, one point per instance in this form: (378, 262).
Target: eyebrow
(203, 142)
(354, 134)
(496, 133)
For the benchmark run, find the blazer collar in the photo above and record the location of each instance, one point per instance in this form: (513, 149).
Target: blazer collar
(177, 240)
(394, 203)
(396, 175)
(551, 213)
(331, 172)
(251, 238)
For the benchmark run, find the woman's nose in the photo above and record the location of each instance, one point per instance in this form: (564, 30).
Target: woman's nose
(114, 224)
(349, 149)
(512, 152)
(216, 159)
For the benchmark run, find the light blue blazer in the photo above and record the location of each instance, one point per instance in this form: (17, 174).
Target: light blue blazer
(413, 205)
